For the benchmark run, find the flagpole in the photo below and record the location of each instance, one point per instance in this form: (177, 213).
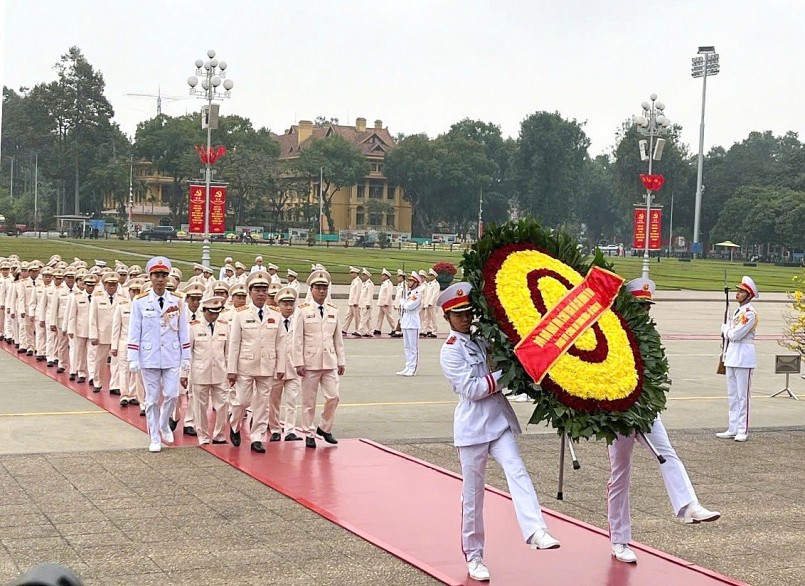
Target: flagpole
(321, 199)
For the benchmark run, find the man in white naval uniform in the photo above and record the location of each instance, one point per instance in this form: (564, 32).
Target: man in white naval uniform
(159, 345)
(484, 423)
(409, 324)
(740, 359)
(677, 482)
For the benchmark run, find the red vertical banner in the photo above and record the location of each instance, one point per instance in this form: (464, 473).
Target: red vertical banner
(195, 213)
(639, 240)
(217, 209)
(655, 229)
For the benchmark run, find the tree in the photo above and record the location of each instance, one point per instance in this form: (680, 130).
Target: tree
(413, 165)
(551, 153)
(340, 164)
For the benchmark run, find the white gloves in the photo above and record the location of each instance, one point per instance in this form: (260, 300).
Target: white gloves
(185, 366)
(134, 366)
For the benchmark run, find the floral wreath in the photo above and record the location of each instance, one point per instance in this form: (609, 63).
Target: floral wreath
(612, 381)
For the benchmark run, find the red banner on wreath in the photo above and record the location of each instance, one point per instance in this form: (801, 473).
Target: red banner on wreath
(195, 213)
(654, 229)
(217, 209)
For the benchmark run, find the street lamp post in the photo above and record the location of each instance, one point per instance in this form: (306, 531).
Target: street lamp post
(702, 66)
(212, 73)
(652, 123)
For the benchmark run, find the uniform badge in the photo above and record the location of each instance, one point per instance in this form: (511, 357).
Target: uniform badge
(451, 340)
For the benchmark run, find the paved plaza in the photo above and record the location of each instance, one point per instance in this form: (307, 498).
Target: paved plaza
(80, 488)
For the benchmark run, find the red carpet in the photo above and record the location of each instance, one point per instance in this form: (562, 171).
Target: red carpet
(412, 510)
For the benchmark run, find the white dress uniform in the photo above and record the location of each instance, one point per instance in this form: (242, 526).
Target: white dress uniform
(100, 331)
(740, 360)
(58, 317)
(159, 345)
(209, 343)
(399, 295)
(82, 359)
(409, 325)
(484, 424)
(384, 303)
(43, 320)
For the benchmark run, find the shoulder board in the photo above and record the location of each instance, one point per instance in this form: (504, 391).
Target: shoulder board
(451, 340)
(274, 307)
(242, 308)
(141, 295)
(303, 305)
(193, 321)
(222, 321)
(332, 305)
(178, 294)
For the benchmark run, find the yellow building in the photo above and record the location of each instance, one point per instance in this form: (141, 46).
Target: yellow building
(149, 198)
(373, 204)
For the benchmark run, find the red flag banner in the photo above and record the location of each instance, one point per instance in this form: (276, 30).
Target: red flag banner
(652, 182)
(655, 229)
(558, 329)
(639, 239)
(195, 213)
(217, 209)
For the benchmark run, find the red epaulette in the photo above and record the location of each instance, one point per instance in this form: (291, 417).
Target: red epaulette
(451, 340)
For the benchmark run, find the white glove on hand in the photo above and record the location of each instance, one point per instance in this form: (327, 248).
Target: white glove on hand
(185, 366)
(134, 366)
(724, 328)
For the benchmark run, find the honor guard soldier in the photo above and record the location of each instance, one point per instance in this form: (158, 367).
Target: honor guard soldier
(680, 491)
(159, 346)
(209, 340)
(258, 265)
(740, 359)
(286, 385)
(222, 273)
(385, 297)
(272, 272)
(132, 391)
(484, 424)
(409, 324)
(400, 292)
(354, 309)
(318, 356)
(252, 361)
(101, 312)
(83, 359)
(365, 302)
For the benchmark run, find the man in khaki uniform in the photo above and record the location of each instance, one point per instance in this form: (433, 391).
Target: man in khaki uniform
(100, 332)
(366, 298)
(252, 360)
(429, 297)
(272, 272)
(193, 294)
(53, 279)
(285, 388)
(132, 391)
(58, 320)
(78, 311)
(4, 270)
(385, 297)
(25, 294)
(318, 356)
(209, 338)
(38, 331)
(354, 310)
(293, 281)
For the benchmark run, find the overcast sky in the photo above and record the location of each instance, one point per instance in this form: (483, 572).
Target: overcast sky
(421, 65)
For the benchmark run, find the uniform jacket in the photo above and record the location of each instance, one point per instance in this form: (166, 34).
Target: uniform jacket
(208, 351)
(121, 318)
(58, 306)
(43, 303)
(78, 314)
(284, 361)
(399, 294)
(367, 293)
(294, 285)
(740, 334)
(355, 291)
(384, 295)
(158, 338)
(100, 316)
(253, 343)
(409, 320)
(36, 294)
(317, 340)
(483, 414)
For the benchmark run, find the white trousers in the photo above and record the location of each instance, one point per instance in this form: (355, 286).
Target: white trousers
(329, 382)
(677, 483)
(353, 315)
(411, 345)
(739, 382)
(209, 427)
(284, 392)
(384, 313)
(159, 383)
(365, 325)
(524, 497)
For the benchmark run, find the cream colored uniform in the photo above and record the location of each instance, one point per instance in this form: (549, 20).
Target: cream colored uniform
(354, 309)
(740, 361)
(432, 291)
(43, 317)
(365, 303)
(100, 330)
(82, 361)
(384, 301)
(25, 294)
(40, 337)
(208, 367)
(318, 346)
(58, 317)
(252, 355)
(286, 389)
(131, 384)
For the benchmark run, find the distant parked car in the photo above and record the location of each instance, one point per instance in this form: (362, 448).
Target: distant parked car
(167, 233)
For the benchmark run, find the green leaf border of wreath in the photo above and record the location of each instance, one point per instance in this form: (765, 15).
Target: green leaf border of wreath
(576, 424)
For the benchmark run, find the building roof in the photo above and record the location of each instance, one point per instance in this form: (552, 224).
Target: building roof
(372, 142)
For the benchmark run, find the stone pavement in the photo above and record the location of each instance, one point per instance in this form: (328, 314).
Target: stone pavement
(78, 486)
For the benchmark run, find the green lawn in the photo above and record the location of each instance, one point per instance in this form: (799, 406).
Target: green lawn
(702, 275)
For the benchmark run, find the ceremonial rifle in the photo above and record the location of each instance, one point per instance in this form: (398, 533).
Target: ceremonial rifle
(724, 342)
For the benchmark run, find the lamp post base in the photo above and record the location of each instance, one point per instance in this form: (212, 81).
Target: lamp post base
(645, 264)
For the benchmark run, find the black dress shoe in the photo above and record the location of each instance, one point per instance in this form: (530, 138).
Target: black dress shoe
(328, 437)
(142, 412)
(114, 391)
(377, 332)
(292, 437)
(80, 379)
(258, 447)
(275, 437)
(97, 389)
(50, 364)
(172, 423)
(40, 358)
(188, 430)
(310, 442)
(29, 353)
(72, 377)
(60, 370)
(368, 336)
(21, 350)
(219, 442)
(89, 382)
(134, 402)
(356, 335)
(234, 437)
